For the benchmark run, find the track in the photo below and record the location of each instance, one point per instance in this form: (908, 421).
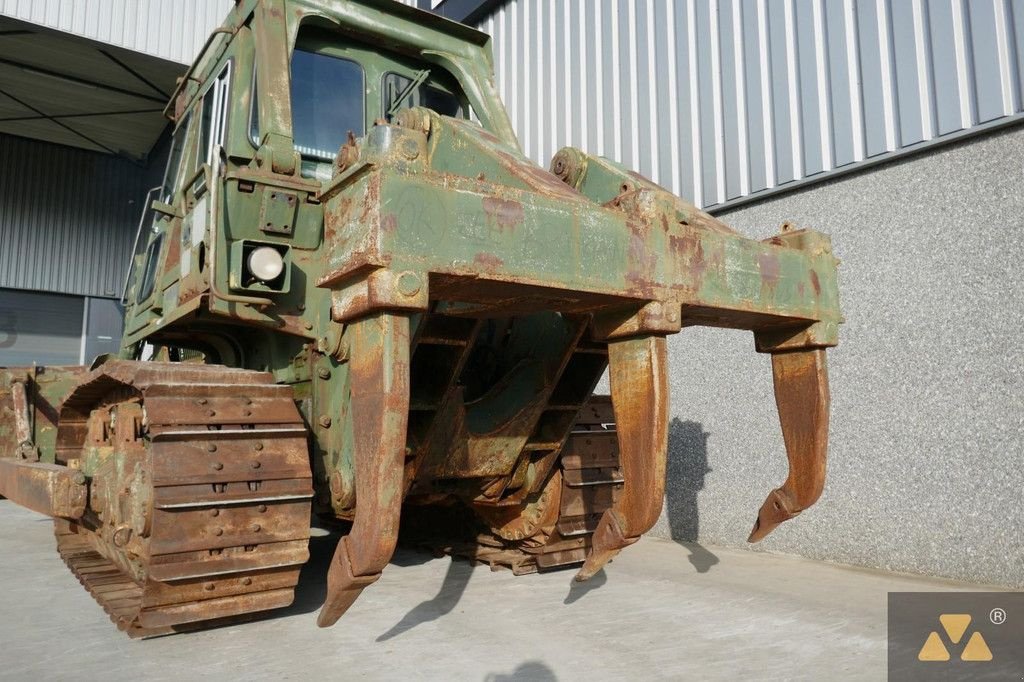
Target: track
(586, 485)
(199, 499)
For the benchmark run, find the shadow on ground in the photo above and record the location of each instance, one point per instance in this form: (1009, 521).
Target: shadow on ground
(687, 466)
(455, 581)
(312, 587)
(533, 671)
(685, 471)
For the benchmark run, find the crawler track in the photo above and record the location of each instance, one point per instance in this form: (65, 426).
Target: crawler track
(587, 484)
(199, 498)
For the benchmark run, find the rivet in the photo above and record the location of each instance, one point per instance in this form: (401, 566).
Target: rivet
(256, 465)
(218, 532)
(246, 413)
(247, 581)
(408, 284)
(211, 447)
(247, 401)
(256, 528)
(323, 373)
(122, 535)
(217, 466)
(258, 446)
(210, 413)
(262, 508)
(209, 587)
(307, 325)
(325, 421)
(202, 401)
(215, 512)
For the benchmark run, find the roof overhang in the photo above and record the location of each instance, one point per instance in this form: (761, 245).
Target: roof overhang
(70, 90)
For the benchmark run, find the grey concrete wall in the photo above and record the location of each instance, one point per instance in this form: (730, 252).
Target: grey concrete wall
(926, 467)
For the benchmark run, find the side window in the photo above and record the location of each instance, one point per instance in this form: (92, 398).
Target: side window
(170, 183)
(403, 93)
(214, 117)
(149, 269)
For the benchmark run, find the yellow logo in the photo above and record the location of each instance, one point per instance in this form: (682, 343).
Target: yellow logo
(955, 625)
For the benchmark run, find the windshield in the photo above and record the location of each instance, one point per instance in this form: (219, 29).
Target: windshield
(327, 102)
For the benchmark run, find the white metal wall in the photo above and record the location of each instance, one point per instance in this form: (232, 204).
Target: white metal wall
(67, 217)
(170, 29)
(720, 99)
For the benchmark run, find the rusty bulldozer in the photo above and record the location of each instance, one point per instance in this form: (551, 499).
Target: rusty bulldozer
(354, 297)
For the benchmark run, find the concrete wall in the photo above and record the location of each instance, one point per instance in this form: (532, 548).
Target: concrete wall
(926, 464)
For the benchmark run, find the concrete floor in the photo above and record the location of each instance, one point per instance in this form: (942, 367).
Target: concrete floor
(660, 611)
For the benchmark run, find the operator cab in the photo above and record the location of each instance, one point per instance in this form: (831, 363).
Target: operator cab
(340, 86)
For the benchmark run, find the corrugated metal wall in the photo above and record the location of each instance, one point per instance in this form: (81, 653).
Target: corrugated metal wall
(67, 217)
(719, 99)
(170, 29)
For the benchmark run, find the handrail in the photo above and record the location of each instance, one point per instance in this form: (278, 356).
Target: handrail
(183, 81)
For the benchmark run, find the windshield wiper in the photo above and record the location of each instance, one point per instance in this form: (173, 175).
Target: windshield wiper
(416, 81)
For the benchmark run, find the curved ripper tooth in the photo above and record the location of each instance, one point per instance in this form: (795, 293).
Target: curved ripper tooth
(380, 410)
(639, 384)
(802, 398)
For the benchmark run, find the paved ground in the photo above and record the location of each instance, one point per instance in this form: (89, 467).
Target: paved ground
(661, 611)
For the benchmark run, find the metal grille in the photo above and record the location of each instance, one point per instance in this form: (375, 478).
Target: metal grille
(722, 99)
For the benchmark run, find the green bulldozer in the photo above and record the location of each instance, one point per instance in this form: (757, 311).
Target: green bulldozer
(353, 298)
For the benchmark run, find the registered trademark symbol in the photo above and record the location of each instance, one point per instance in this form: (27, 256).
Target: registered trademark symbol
(997, 616)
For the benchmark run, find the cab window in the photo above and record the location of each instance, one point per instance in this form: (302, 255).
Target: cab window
(327, 102)
(170, 184)
(401, 92)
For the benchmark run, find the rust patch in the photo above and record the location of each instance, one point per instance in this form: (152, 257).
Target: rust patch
(642, 259)
(505, 213)
(488, 260)
(769, 265)
(389, 223)
(815, 283)
(690, 249)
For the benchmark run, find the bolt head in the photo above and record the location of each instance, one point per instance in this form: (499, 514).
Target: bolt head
(217, 466)
(325, 421)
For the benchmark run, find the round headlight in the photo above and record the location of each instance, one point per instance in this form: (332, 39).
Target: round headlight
(266, 263)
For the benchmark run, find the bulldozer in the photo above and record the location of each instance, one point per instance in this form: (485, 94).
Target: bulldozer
(353, 298)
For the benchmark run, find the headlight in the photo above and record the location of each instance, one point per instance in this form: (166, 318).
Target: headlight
(265, 263)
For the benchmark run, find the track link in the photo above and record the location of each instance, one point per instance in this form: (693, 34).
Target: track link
(199, 497)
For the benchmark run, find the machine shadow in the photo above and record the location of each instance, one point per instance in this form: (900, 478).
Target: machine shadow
(532, 671)
(685, 471)
(312, 587)
(455, 581)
